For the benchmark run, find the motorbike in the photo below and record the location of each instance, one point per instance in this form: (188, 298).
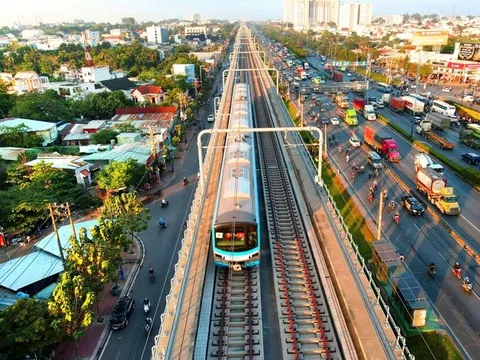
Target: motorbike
(146, 308)
(432, 272)
(467, 287)
(457, 272)
(164, 204)
(152, 278)
(148, 326)
(162, 225)
(185, 182)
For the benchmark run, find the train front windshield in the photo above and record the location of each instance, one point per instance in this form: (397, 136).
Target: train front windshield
(238, 239)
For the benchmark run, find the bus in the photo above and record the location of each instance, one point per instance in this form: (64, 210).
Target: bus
(384, 88)
(421, 98)
(443, 108)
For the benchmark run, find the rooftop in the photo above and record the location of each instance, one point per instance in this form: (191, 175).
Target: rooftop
(18, 273)
(64, 163)
(33, 125)
(139, 151)
(155, 113)
(26, 75)
(11, 153)
(149, 89)
(94, 124)
(49, 242)
(118, 84)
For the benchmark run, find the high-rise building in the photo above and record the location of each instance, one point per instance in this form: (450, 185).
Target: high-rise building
(91, 38)
(192, 17)
(304, 13)
(157, 35)
(352, 16)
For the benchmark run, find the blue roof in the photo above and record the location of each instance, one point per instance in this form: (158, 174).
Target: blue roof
(45, 293)
(26, 270)
(49, 242)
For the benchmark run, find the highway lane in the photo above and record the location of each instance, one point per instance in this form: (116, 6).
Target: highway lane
(162, 246)
(421, 241)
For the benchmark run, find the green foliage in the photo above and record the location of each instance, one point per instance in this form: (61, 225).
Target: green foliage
(127, 211)
(100, 105)
(7, 102)
(120, 174)
(71, 305)
(127, 127)
(439, 347)
(26, 328)
(176, 140)
(47, 106)
(64, 150)
(17, 136)
(104, 136)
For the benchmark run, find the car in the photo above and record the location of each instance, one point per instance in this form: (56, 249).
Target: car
(447, 89)
(211, 118)
(380, 105)
(468, 98)
(412, 205)
(354, 142)
(471, 158)
(349, 74)
(334, 121)
(121, 312)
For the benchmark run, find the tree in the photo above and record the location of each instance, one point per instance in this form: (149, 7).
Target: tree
(48, 106)
(71, 306)
(104, 136)
(101, 105)
(7, 101)
(26, 328)
(127, 127)
(18, 136)
(128, 211)
(120, 174)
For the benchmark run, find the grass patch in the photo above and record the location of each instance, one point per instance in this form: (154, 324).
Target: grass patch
(470, 175)
(441, 346)
(353, 218)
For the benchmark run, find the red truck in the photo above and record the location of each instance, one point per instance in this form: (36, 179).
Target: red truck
(358, 104)
(397, 104)
(337, 76)
(382, 143)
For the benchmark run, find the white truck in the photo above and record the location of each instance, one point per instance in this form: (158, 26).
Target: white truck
(385, 99)
(413, 105)
(369, 112)
(424, 161)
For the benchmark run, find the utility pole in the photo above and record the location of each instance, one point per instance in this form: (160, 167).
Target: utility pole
(301, 111)
(367, 77)
(60, 211)
(325, 139)
(379, 222)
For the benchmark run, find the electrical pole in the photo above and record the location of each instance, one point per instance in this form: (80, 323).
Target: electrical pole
(379, 223)
(301, 111)
(325, 139)
(367, 77)
(61, 211)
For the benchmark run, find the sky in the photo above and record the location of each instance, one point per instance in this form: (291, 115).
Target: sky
(27, 11)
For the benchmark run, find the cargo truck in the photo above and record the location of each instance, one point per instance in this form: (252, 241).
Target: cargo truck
(435, 188)
(439, 121)
(397, 104)
(301, 73)
(337, 76)
(369, 113)
(382, 143)
(358, 104)
(413, 105)
(306, 66)
(470, 138)
(341, 100)
(385, 99)
(424, 161)
(351, 117)
(425, 130)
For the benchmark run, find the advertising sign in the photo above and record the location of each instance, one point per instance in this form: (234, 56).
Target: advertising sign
(470, 52)
(430, 37)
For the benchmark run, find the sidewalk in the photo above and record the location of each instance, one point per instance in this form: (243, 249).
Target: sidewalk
(98, 331)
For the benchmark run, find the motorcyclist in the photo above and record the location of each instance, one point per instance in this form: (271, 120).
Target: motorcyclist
(185, 180)
(432, 267)
(466, 281)
(161, 222)
(146, 302)
(148, 323)
(397, 217)
(164, 202)
(391, 205)
(151, 272)
(457, 266)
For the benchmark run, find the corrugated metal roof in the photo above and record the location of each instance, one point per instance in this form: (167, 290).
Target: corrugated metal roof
(49, 242)
(26, 270)
(70, 163)
(139, 151)
(33, 125)
(11, 153)
(45, 293)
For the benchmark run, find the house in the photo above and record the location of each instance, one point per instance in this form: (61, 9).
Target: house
(140, 151)
(28, 81)
(128, 138)
(122, 83)
(44, 129)
(158, 119)
(71, 164)
(148, 94)
(73, 90)
(94, 126)
(12, 153)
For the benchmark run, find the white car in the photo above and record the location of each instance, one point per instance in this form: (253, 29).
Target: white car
(334, 121)
(349, 74)
(380, 105)
(354, 142)
(211, 118)
(447, 89)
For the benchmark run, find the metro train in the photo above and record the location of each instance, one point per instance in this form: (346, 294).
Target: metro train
(236, 225)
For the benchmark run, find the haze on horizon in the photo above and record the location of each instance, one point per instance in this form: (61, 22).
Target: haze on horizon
(48, 11)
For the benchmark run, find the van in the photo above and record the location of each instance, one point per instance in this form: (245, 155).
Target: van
(374, 160)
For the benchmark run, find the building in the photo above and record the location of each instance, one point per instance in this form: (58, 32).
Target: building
(96, 74)
(288, 11)
(44, 129)
(91, 38)
(187, 70)
(157, 35)
(28, 81)
(192, 17)
(71, 90)
(128, 21)
(123, 84)
(148, 94)
(70, 164)
(393, 19)
(31, 33)
(12, 153)
(128, 138)
(354, 16)
(195, 31)
(301, 14)
(159, 119)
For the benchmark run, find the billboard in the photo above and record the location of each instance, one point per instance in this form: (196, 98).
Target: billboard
(187, 70)
(470, 52)
(430, 37)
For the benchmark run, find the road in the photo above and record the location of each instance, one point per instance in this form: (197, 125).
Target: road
(162, 246)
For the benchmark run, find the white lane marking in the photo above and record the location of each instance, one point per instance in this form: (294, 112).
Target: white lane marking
(470, 223)
(441, 255)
